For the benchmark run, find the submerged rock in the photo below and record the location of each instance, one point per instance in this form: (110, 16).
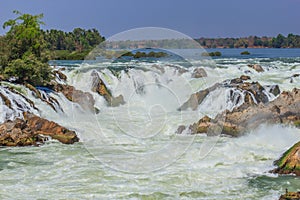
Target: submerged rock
(289, 163)
(32, 131)
(256, 67)
(199, 73)
(285, 109)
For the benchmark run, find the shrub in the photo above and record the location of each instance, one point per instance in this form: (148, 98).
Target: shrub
(245, 53)
(29, 70)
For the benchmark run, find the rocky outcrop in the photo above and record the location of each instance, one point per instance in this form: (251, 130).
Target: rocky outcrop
(32, 131)
(290, 196)
(199, 73)
(84, 99)
(285, 109)
(256, 67)
(48, 100)
(197, 98)
(289, 163)
(99, 87)
(60, 75)
(254, 93)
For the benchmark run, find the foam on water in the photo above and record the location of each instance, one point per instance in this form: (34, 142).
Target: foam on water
(203, 168)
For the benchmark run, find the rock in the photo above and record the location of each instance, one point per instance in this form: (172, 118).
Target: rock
(60, 75)
(256, 67)
(256, 90)
(160, 68)
(289, 163)
(5, 100)
(254, 93)
(285, 109)
(290, 196)
(84, 99)
(180, 129)
(31, 131)
(199, 73)
(245, 78)
(99, 87)
(197, 98)
(274, 89)
(51, 101)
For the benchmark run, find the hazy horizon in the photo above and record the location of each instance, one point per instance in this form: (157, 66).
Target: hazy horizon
(208, 19)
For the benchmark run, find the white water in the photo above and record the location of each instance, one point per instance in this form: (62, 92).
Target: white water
(132, 152)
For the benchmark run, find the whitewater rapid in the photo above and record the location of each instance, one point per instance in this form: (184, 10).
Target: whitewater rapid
(132, 151)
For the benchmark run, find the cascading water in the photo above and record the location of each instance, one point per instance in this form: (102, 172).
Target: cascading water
(140, 135)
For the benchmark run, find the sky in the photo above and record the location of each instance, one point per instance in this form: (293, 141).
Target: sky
(195, 18)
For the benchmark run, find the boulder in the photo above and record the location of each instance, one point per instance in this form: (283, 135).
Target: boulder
(99, 87)
(289, 162)
(256, 67)
(84, 99)
(32, 131)
(290, 196)
(197, 98)
(199, 73)
(60, 75)
(254, 92)
(285, 109)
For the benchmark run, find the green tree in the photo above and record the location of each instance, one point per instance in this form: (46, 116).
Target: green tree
(25, 34)
(24, 51)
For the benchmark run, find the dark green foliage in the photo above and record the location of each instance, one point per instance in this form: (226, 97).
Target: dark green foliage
(29, 69)
(22, 50)
(151, 54)
(77, 40)
(291, 41)
(216, 53)
(245, 53)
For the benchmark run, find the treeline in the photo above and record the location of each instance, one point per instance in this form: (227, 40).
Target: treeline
(291, 41)
(71, 45)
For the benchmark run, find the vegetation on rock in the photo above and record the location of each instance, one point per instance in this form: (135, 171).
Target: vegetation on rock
(245, 53)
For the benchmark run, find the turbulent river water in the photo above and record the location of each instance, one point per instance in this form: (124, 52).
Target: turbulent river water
(132, 152)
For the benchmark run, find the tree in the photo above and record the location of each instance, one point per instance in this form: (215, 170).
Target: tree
(25, 34)
(24, 52)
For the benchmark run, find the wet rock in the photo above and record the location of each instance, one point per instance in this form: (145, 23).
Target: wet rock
(290, 196)
(289, 163)
(256, 67)
(197, 98)
(254, 93)
(160, 68)
(60, 75)
(245, 78)
(199, 73)
(255, 89)
(285, 109)
(180, 129)
(274, 89)
(32, 131)
(51, 101)
(5, 100)
(99, 87)
(84, 99)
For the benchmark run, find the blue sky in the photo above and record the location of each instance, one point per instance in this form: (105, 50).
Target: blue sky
(196, 18)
